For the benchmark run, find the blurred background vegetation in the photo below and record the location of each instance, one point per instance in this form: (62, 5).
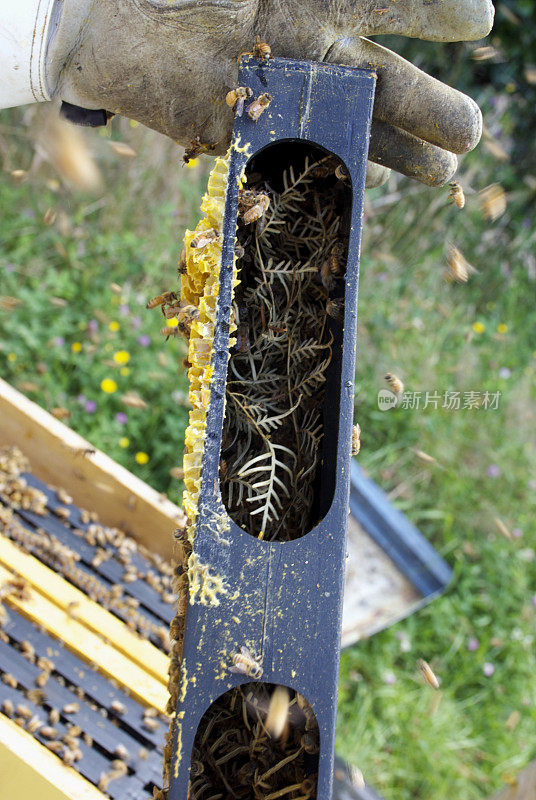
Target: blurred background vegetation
(91, 229)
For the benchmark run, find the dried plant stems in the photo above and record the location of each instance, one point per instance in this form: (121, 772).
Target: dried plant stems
(277, 371)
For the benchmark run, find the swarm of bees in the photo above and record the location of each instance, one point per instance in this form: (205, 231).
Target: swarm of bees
(258, 741)
(287, 310)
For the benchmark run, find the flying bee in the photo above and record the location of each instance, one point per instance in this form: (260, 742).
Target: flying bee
(277, 715)
(164, 299)
(395, 383)
(428, 673)
(356, 440)
(458, 268)
(196, 148)
(236, 98)
(334, 308)
(203, 238)
(245, 664)
(258, 106)
(456, 195)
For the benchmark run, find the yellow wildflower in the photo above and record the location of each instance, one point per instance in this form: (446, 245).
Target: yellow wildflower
(121, 357)
(502, 328)
(142, 458)
(108, 385)
(124, 442)
(479, 327)
(114, 326)
(76, 347)
(11, 357)
(124, 371)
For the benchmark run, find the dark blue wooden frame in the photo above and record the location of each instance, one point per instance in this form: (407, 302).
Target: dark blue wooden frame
(282, 600)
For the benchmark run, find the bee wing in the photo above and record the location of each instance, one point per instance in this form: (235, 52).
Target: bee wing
(236, 670)
(246, 652)
(231, 76)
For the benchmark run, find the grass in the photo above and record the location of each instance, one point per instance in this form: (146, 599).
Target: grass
(107, 252)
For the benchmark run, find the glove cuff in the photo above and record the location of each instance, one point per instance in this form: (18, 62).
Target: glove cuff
(23, 38)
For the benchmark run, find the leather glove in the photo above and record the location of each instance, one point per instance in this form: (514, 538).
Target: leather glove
(169, 65)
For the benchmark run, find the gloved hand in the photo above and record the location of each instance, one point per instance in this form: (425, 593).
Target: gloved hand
(169, 65)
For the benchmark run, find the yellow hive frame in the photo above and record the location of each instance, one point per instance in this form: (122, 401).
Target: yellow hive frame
(58, 455)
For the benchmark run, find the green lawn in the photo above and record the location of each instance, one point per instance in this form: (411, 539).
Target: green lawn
(479, 637)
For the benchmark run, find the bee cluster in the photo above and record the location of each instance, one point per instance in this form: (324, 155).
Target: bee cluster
(257, 741)
(88, 721)
(288, 308)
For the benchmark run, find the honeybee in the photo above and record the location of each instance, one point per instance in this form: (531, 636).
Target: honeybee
(331, 268)
(458, 268)
(23, 711)
(310, 743)
(8, 708)
(245, 664)
(456, 195)
(34, 724)
(334, 308)
(118, 707)
(195, 148)
(236, 98)
(262, 49)
(71, 708)
(493, 201)
(356, 440)
(395, 383)
(28, 650)
(341, 172)
(277, 716)
(203, 238)
(356, 777)
(61, 512)
(258, 106)
(253, 206)
(54, 716)
(428, 673)
(48, 732)
(164, 299)
(181, 266)
(150, 724)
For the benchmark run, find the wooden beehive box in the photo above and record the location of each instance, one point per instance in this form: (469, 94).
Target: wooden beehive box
(376, 592)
